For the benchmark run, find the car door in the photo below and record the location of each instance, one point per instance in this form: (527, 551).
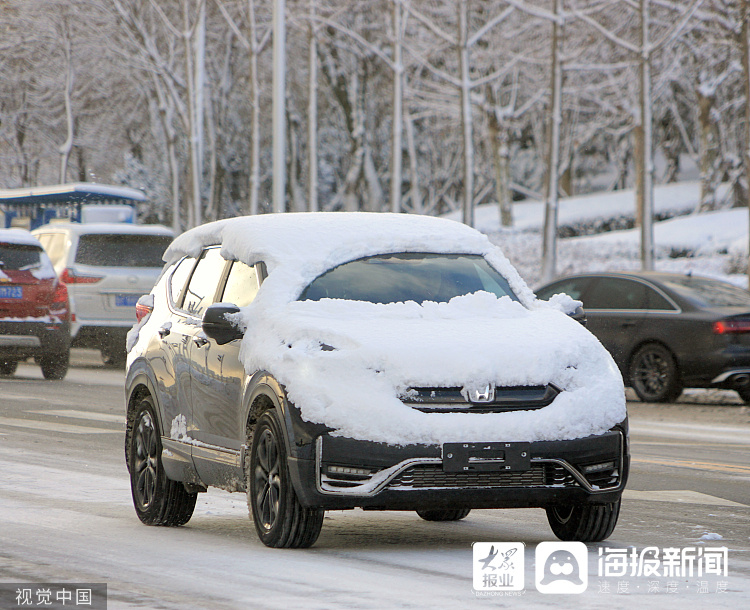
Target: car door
(615, 309)
(172, 365)
(217, 378)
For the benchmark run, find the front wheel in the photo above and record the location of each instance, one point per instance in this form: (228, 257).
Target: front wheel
(280, 520)
(55, 366)
(157, 499)
(437, 514)
(654, 375)
(584, 522)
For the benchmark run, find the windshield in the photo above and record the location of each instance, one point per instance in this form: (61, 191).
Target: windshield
(396, 278)
(709, 293)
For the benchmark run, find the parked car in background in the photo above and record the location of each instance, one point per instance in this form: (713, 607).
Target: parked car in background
(106, 268)
(383, 361)
(667, 331)
(34, 313)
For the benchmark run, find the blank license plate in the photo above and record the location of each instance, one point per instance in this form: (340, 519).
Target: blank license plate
(486, 457)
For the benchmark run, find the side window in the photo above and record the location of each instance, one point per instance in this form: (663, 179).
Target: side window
(179, 277)
(573, 287)
(201, 288)
(656, 301)
(615, 293)
(242, 285)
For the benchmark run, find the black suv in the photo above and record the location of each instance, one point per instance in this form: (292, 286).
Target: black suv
(389, 362)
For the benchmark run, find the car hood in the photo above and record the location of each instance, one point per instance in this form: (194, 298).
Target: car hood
(345, 364)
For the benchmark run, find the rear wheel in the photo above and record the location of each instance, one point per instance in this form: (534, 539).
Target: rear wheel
(437, 514)
(584, 522)
(654, 375)
(157, 499)
(55, 366)
(280, 520)
(8, 367)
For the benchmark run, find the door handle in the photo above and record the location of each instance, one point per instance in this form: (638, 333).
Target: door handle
(200, 340)
(627, 324)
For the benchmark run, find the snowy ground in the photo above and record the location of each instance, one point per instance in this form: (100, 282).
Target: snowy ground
(712, 244)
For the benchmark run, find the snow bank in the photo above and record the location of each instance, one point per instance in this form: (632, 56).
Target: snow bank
(380, 351)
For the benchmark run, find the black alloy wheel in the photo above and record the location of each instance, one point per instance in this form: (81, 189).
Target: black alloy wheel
(438, 514)
(654, 375)
(157, 500)
(584, 522)
(280, 520)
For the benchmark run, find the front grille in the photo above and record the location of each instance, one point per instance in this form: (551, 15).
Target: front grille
(454, 400)
(432, 477)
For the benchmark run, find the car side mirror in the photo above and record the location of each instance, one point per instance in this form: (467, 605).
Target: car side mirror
(216, 326)
(579, 315)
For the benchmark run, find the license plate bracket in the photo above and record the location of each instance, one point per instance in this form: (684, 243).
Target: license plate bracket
(486, 457)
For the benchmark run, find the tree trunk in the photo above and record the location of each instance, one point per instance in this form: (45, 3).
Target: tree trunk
(254, 186)
(498, 137)
(466, 117)
(414, 195)
(397, 120)
(709, 149)
(549, 238)
(645, 160)
(312, 116)
(67, 146)
(746, 82)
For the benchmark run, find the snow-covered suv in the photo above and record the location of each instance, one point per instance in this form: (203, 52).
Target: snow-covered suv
(333, 361)
(107, 267)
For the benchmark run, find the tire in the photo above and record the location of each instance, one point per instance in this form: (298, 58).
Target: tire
(54, 367)
(157, 499)
(280, 520)
(584, 522)
(654, 375)
(744, 394)
(8, 367)
(115, 358)
(437, 514)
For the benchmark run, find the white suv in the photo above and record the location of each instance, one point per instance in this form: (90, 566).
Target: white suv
(106, 267)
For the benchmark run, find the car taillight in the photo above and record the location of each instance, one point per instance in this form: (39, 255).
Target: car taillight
(730, 327)
(141, 311)
(71, 277)
(61, 295)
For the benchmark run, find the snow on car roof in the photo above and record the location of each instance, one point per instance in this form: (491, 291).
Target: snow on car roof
(18, 236)
(304, 245)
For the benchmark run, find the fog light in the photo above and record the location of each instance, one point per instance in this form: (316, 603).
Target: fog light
(348, 470)
(598, 467)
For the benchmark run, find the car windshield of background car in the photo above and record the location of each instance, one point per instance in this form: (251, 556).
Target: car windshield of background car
(709, 293)
(398, 278)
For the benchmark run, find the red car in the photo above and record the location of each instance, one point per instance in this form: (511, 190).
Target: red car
(34, 309)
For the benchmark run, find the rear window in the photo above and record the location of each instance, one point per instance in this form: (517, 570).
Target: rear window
(709, 293)
(122, 250)
(20, 257)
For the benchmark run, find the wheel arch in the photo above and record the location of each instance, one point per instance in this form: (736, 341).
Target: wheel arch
(264, 392)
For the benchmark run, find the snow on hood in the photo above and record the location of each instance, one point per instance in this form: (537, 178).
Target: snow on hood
(379, 351)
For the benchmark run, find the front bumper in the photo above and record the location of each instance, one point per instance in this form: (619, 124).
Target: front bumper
(347, 473)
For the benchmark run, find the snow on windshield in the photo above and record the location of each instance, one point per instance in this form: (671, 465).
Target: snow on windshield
(381, 350)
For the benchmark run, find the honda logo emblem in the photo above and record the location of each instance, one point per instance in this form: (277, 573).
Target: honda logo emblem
(483, 395)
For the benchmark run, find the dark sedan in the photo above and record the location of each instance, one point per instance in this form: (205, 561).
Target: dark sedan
(667, 331)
